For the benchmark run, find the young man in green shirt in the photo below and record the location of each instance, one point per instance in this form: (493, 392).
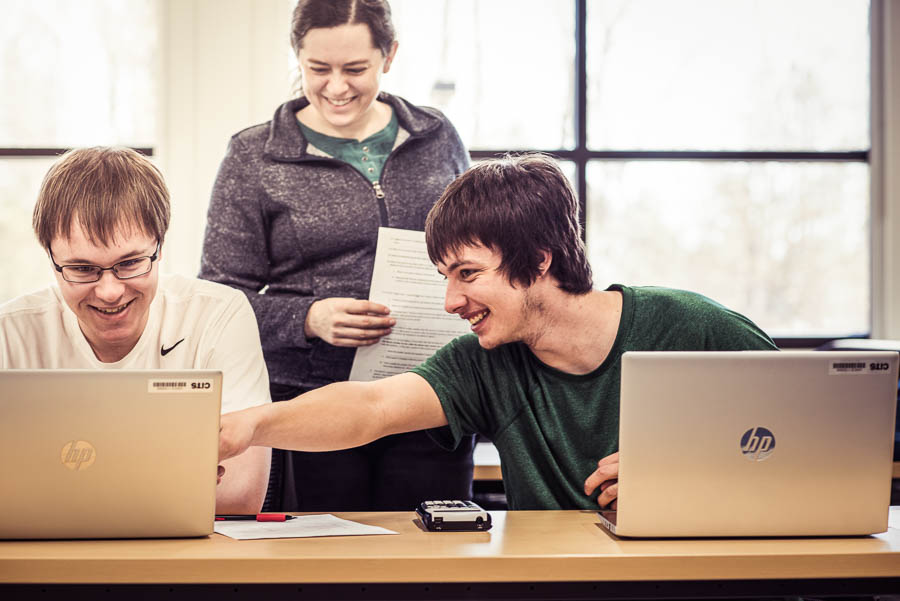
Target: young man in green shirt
(539, 375)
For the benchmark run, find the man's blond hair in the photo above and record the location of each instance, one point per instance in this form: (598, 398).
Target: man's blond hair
(107, 191)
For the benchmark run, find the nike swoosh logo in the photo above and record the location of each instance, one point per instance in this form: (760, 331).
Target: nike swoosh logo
(165, 351)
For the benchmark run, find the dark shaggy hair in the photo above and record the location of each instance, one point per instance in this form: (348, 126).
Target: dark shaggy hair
(520, 206)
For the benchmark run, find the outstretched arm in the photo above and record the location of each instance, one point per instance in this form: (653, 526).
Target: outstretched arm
(338, 416)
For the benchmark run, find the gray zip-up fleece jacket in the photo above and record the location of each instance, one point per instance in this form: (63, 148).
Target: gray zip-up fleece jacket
(287, 218)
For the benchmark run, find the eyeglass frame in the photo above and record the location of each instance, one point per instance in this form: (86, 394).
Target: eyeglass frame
(112, 268)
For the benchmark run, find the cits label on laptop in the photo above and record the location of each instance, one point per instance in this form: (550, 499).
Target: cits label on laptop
(844, 367)
(179, 385)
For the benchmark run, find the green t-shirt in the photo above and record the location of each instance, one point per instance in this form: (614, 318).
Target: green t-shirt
(367, 156)
(551, 427)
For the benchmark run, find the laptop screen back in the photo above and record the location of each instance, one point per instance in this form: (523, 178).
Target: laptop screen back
(755, 443)
(108, 453)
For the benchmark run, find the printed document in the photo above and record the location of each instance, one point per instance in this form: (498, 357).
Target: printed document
(407, 282)
(302, 526)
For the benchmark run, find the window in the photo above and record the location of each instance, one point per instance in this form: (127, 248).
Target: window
(770, 233)
(721, 147)
(74, 74)
(502, 70)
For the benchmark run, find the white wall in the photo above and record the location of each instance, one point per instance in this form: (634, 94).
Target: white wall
(224, 68)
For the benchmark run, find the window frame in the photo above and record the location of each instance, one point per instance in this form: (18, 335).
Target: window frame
(581, 155)
(30, 152)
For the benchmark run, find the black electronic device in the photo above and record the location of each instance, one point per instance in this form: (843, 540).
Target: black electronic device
(453, 516)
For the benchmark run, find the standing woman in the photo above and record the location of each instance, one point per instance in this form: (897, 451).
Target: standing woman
(293, 222)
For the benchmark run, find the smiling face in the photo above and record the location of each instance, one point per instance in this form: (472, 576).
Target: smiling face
(341, 71)
(478, 292)
(112, 313)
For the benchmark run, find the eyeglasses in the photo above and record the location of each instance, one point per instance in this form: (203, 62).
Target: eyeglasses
(124, 270)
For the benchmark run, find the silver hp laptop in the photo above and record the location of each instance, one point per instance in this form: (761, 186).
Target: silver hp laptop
(755, 443)
(108, 453)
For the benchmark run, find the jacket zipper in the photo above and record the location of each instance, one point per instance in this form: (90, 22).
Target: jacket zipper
(379, 193)
(376, 185)
(379, 199)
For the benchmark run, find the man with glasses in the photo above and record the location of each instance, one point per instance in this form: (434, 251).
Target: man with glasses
(102, 216)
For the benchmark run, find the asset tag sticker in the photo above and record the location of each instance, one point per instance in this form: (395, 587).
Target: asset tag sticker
(182, 385)
(852, 368)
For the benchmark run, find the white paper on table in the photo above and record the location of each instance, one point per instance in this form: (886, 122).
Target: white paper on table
(894, 517)
(302, 526)
(407, 282)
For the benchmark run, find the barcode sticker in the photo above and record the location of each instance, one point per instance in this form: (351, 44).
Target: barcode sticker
(851, 368)
(190, 385)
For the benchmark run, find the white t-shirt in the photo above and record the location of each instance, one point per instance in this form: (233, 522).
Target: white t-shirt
(198, 324)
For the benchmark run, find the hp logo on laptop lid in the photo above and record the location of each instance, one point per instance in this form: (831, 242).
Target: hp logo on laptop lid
(78, 455)
(757, 443)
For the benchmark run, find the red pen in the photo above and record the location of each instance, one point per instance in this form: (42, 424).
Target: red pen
(259, 517)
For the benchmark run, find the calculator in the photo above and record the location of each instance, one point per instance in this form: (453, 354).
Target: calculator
(453, 515)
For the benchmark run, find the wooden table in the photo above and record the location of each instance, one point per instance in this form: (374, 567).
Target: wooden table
(528, 555)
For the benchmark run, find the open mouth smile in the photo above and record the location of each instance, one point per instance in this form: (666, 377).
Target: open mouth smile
(111, 310)
(476, 318)
(340, 102)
